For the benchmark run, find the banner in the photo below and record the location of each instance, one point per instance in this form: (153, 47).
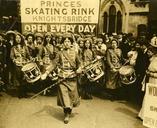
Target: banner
(87, 28)
(150, 106)
(41, 14)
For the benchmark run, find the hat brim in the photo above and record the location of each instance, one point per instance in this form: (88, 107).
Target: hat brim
(10, 32)
(30, 34)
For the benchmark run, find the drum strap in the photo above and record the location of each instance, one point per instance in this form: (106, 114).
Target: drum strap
(68, 59)
(112, 52)
(51, 56)
(16, 50)
(89, 57)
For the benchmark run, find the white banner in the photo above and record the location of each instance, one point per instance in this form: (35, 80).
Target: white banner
(59, 11)
(150, 106)
(55, 28)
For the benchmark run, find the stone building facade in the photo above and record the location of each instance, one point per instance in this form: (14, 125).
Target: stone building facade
(127, 16)
(116, 16)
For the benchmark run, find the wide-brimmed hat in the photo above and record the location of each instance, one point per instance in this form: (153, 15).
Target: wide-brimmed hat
(89, 39)
(10, 32)
(48, 34)
(59, 35)
(99, 40)
(39, 35)
(67, 35)
(80, 39)
(30, 34)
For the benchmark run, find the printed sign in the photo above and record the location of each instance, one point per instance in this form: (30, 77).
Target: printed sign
(150, 106)
(59, 15)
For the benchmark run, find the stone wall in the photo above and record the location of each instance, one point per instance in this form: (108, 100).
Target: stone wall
(133, 14)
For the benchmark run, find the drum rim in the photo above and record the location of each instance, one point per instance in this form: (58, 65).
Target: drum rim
(33, 65)
(125, 73)
(97, 77)
(94, 65)
(33, 80)
(131, 82)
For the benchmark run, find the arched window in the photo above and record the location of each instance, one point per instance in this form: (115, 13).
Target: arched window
(112, 19)
(119, 22)
(105, 22)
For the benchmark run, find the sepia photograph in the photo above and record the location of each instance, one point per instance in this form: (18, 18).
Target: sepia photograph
(78, 63)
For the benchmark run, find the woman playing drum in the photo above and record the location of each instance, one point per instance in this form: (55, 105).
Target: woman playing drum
(20, 56)
(114, 62)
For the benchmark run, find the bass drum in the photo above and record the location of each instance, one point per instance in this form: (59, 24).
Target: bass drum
(127, 74)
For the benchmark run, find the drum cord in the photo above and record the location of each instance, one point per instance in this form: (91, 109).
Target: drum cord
(61, 80)
(56, 83)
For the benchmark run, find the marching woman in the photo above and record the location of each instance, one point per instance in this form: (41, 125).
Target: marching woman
(68, 63)
(20, 56)
(114, 63)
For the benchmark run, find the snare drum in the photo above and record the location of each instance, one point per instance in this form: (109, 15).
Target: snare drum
(94, 71)
(53, 75)
(31, 72)
(127, 74)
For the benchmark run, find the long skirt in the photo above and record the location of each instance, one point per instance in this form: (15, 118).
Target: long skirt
(112, 80)
(68, 96)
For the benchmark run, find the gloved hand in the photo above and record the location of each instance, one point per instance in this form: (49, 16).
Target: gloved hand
(79, 71)
(44, 76)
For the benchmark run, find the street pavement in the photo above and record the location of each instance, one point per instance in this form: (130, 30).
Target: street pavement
(43, 112)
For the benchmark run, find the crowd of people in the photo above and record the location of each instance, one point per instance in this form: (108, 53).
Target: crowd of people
(114, 65)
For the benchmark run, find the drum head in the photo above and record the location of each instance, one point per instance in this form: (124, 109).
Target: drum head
(28, 67)
(126, 70)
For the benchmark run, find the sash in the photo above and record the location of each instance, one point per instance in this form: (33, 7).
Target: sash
(112, 52)
(68, 59)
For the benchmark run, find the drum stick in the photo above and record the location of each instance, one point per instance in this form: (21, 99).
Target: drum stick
(61, 80)
(56, 83)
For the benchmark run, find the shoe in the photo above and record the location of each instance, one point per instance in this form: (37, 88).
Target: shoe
(66, 119)
(139, 118)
